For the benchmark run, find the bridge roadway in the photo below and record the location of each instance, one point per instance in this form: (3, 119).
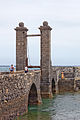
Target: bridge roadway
(17, 91)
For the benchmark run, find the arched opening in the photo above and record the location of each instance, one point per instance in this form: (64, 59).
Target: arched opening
(53, 85)
(33, 98)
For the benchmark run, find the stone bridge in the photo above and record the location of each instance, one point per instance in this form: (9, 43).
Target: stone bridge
(20, 89)
(17, 91)
(71, 81)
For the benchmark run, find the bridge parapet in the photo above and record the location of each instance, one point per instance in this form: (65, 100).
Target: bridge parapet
(14, 92)
(63, 84)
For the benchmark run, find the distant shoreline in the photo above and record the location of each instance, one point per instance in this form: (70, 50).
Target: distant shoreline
(52, 66)
(6, 65)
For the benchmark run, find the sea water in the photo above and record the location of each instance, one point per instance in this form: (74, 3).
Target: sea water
(6, 68)
(61, 107)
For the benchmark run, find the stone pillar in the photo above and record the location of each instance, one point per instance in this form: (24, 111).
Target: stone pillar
(56, 83)
(46, 88)
(21, 46)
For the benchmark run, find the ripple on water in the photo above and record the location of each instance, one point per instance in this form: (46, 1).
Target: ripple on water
(67, 107)
(61, 107)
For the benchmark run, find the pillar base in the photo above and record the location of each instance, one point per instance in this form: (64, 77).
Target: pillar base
(39, 102)
(46, 95)
(46, 91)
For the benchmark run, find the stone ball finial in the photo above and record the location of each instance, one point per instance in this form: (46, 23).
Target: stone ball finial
(21, 24)
(45, 23)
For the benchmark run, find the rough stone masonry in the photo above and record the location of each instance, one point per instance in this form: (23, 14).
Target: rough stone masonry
(17, 91)
(21, 54)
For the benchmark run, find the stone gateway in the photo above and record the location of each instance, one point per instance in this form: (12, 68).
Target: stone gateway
(20, 89)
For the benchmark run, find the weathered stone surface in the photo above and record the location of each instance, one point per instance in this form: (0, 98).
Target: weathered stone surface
(45, 59)
(62, 85)
(21, 46)
(66, 85)
(19, 89)
(14, 93)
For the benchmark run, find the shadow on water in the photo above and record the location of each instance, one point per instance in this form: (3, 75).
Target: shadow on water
(61, 107)
(40, 112)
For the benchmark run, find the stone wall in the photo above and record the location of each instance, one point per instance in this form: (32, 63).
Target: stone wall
(63, 68)
(20, 89)
(71, 81)
(77, 79)
(14, 93)
(66, 84)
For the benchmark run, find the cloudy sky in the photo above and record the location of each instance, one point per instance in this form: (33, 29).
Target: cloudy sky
(62, 15)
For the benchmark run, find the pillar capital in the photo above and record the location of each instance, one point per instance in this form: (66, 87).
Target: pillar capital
(21, 27)
(45, 26)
